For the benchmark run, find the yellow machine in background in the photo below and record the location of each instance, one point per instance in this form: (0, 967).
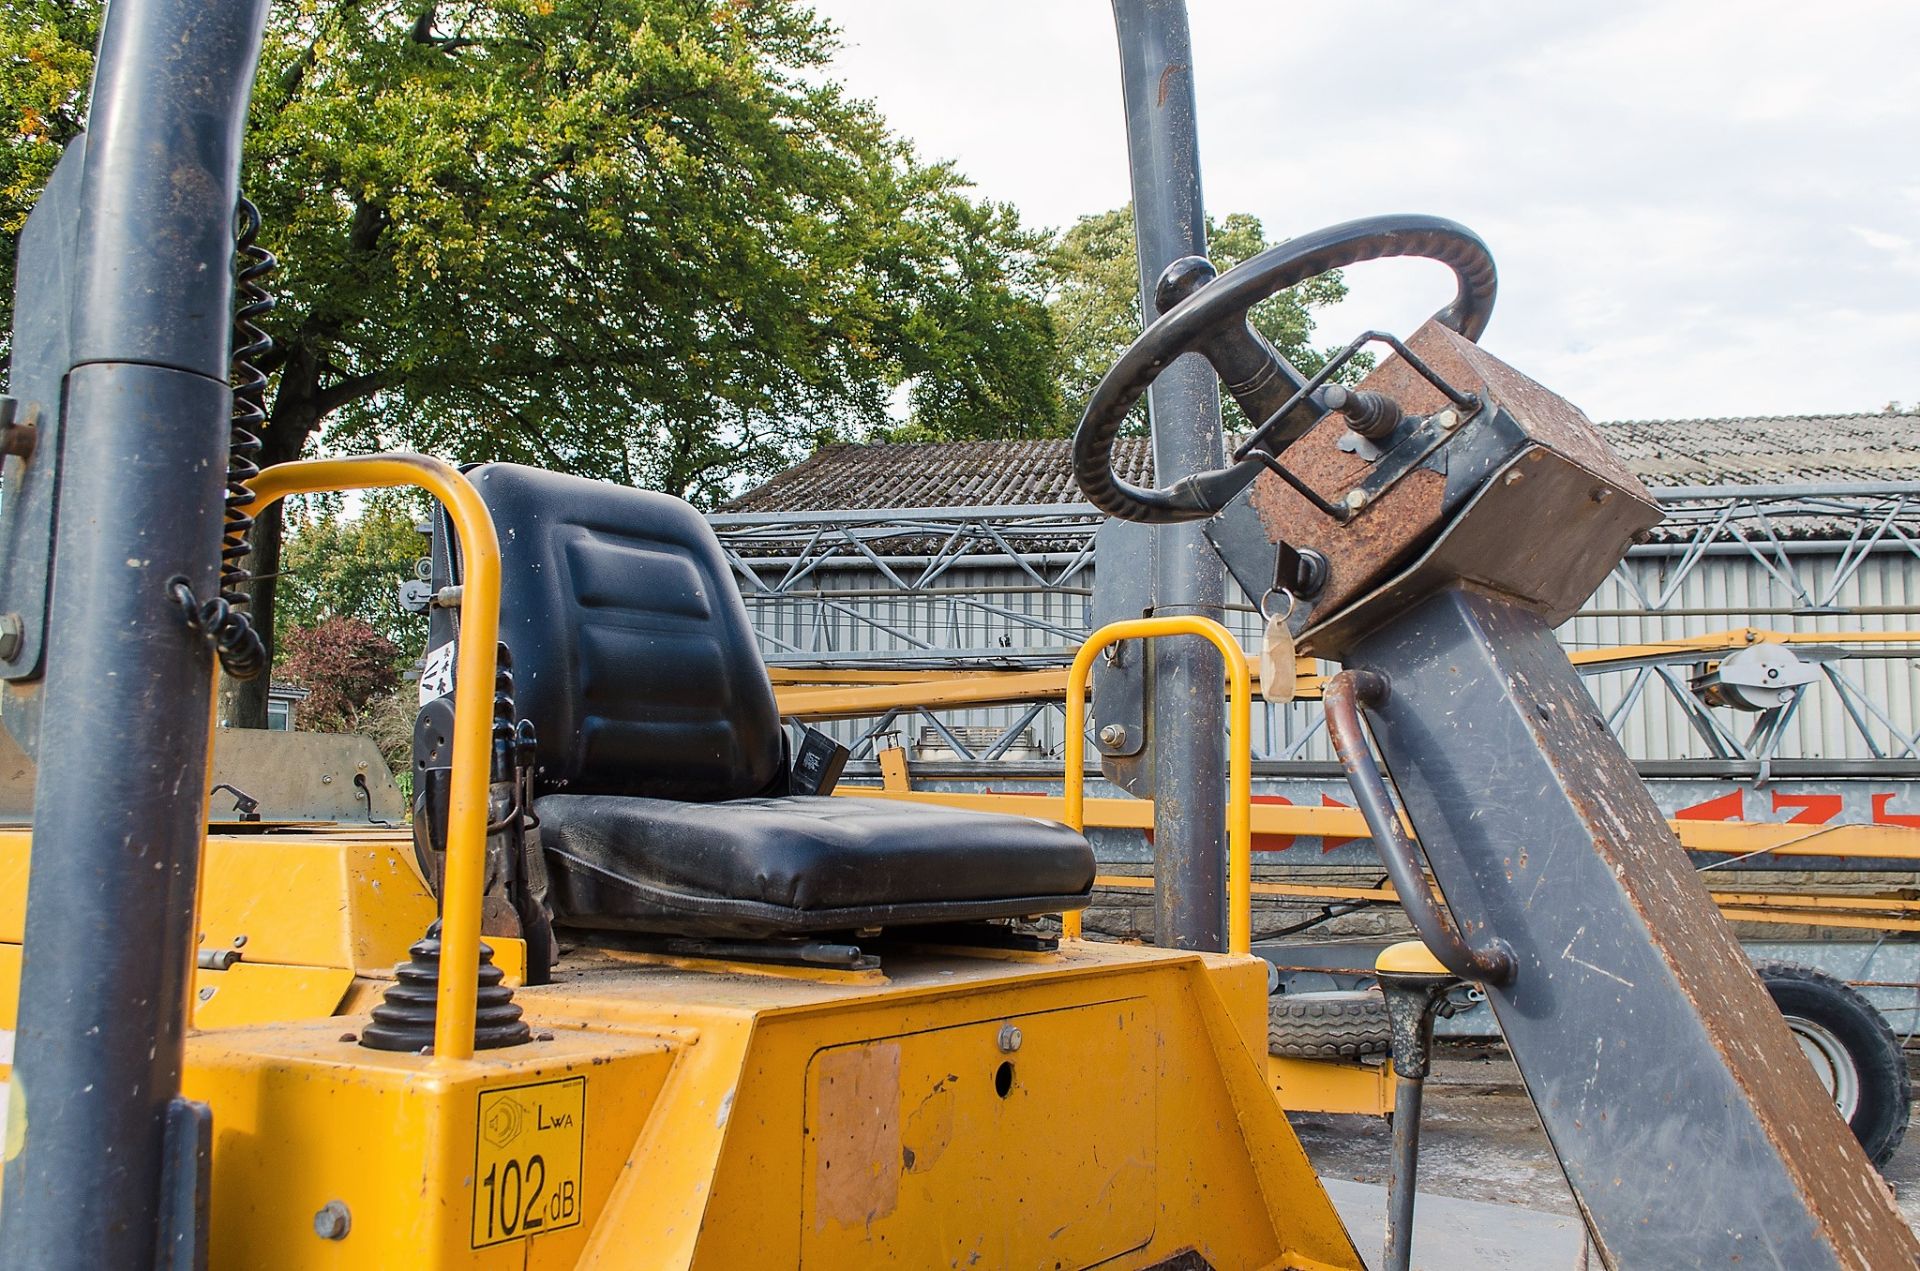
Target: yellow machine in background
(719, 1020)
(1040, 1106)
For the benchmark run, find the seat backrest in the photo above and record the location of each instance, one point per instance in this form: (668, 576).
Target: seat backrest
(632, 652)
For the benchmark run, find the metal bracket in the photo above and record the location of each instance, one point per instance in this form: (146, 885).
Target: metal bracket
(1405, 454)
(1122, 707)
(30, 426)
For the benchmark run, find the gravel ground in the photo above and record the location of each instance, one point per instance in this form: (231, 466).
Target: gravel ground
(1479, 1140)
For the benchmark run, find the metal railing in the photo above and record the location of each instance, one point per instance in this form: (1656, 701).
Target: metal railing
(472, 704)
(1239, 755)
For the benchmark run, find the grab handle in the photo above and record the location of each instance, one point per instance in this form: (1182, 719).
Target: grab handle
(1491, 963)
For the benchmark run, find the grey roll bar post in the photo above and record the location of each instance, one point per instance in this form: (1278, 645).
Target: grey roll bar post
(1189, 721)
(110, 1170)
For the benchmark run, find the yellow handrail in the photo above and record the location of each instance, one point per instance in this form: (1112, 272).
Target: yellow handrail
(1239, 755)
(472, 703)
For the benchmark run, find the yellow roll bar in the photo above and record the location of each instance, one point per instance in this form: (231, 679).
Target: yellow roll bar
(472, 703)
(1239, 755)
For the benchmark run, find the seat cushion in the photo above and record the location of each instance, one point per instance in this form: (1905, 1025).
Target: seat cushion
(767, 866)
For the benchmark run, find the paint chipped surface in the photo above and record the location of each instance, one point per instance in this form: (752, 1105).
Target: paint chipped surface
(906, 1161)
(857, 1168)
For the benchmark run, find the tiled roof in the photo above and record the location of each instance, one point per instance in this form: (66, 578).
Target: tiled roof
(1793, 449)
(934, 475)
(1821, 449)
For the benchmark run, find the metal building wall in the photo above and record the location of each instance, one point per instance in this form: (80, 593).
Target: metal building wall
(854, 609)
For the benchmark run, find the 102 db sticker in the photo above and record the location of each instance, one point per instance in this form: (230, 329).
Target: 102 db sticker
(527, 1160)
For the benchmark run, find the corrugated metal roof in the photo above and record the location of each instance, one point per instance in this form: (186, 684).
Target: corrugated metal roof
(1820, 449)
(1791, 449)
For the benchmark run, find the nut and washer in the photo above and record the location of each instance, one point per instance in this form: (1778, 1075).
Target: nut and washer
(1113, 735)
(332, 1221)
(1009, 1038)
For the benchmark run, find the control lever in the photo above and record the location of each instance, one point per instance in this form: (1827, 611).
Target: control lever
(1417, 988)
(1257, 374)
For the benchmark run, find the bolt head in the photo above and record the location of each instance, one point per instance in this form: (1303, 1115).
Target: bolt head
(332, 1221)
(1009, 1038)
(1355, 500)
(13, 630)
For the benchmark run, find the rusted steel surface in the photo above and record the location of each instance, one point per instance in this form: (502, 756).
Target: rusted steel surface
(1391, 531)
(1691, 1128)
(1364, 550)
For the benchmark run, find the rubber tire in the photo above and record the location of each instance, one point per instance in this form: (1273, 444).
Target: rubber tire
(1880, 1065)
(1345, 1024)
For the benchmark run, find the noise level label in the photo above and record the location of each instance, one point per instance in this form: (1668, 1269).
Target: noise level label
(527, 1160)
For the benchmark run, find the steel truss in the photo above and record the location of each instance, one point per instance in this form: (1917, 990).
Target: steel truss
(893, 595)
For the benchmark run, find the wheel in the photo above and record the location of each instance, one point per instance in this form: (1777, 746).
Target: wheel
(1207, 315)
(1852, 1049)
(1346, 1024)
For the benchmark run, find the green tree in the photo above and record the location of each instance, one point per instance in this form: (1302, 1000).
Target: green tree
(994, 299)
(335, 565)
(46, 55)
(646, 240)
(1095, 303)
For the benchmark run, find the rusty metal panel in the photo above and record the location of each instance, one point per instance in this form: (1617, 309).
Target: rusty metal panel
(1518, 415)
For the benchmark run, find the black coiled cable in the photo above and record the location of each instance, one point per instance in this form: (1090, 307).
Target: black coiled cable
(224, 620)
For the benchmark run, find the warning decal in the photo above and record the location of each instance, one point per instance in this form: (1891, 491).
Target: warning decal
(527, 1160)
(436, 673)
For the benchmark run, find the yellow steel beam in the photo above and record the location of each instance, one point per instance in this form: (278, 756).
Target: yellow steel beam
(842, 701)
(472, 703)
(1749, 899)
(821, 676)
(1729, 838)
(1819, 918)
(1746, 838)
(1808, 909)
(1735, 638)
(822, 694)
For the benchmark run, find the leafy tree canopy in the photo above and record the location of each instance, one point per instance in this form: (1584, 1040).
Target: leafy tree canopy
(1089, 275)
(343, 664)
(1095, 298)
(648, 240)
(351, 566)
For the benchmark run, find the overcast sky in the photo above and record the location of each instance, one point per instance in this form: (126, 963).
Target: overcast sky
(1700, 209)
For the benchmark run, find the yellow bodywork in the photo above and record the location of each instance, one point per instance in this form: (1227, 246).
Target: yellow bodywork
(689, 1114)
(1095, 1105)
(726, 1119)
(1351, 1087)
(316, 917)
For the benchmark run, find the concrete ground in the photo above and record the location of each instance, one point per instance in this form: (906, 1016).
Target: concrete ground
(1480, 1142)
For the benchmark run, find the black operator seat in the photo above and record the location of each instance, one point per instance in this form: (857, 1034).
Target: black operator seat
(662, 770)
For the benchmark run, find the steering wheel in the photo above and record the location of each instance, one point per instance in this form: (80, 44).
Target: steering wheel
(1207, 315)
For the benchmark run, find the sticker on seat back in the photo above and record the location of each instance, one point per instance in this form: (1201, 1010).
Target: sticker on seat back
(436, 672)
